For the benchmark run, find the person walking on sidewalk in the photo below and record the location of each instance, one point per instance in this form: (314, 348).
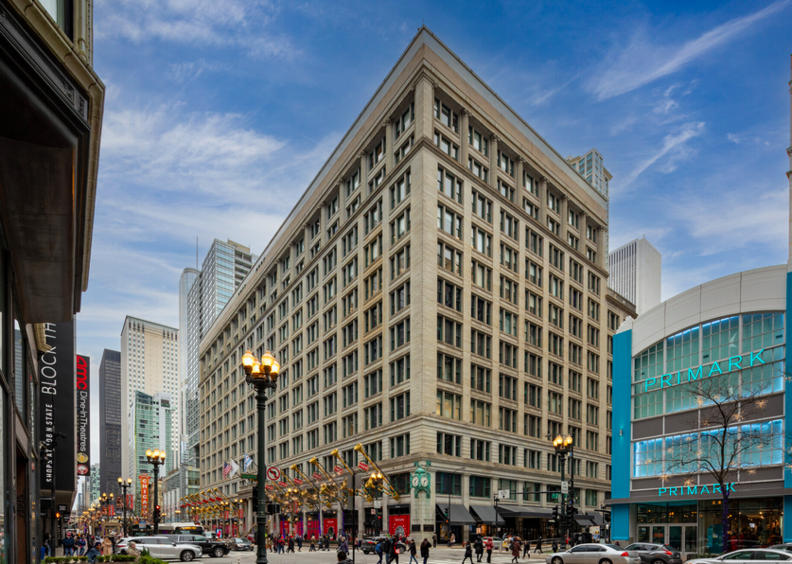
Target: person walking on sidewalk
(489, 545)
(425, 549)
(468, 553)
(516, 546)
(413, 551)
(434, 540)
(478, 546)
(538, 545)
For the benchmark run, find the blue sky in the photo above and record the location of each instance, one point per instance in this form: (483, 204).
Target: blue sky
(219, 113)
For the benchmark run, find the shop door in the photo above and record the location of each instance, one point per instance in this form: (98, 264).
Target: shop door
(681, 537)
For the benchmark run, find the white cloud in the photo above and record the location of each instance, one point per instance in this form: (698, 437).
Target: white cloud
(230, 23)
(643, 61)
(674, 147)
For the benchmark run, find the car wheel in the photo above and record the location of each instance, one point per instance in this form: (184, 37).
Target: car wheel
(658, 561)
(187, 556)
(605, 561)
(557, 560)
(218, 552)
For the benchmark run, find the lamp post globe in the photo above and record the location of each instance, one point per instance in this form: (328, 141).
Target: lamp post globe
(263, 375)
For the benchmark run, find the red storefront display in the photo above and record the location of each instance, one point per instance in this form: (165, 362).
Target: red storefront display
(313, 528)
(399, 525)
(330, 527)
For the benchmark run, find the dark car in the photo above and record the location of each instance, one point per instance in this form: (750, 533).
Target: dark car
(241, 544)
(652, 553)
(211, 547)
(368, 545)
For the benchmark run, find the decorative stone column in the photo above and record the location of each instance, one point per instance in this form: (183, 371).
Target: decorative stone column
(424, 104)
(388, 145)
(493, 161)
(463, 136)
(543, 200)
(363, 168)
(564, 216)
(518, 176)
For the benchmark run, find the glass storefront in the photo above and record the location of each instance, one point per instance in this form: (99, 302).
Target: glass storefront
(696, 528)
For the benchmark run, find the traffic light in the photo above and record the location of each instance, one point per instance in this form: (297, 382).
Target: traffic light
(57, 516)
(157, 512)
(570, 511)
(555, 513)
(445, 513)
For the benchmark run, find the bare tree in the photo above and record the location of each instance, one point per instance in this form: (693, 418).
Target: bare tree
(721, 440)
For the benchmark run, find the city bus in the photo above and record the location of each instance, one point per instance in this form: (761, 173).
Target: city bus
(180, 528)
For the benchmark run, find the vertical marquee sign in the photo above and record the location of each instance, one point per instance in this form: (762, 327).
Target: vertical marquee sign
(144, 497)
(57, 410)
(83, 383)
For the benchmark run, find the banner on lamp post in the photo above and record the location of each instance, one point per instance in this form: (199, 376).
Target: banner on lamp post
(144, 496)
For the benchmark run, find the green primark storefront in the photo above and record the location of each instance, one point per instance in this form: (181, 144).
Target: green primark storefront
(678, 366)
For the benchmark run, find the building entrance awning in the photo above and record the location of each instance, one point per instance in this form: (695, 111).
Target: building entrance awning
(588, 519)
(512, 511)
(487, 515)
(457, 514)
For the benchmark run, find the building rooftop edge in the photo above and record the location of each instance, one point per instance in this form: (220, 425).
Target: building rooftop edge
(153, 323)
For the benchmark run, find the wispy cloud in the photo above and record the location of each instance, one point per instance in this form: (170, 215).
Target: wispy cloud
(541, 98)
(674, 150)
(643, 61)
(230, 23)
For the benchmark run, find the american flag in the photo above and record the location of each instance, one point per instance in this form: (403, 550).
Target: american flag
(226, 469)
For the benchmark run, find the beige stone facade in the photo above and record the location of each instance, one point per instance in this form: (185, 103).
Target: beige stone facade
(501, 338)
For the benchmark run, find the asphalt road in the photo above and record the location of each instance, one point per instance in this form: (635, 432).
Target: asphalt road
(436, 556)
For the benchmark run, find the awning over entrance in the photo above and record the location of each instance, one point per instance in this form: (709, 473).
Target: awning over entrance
(457, 514)
(486, 514)
(511, 511)
(588, 519)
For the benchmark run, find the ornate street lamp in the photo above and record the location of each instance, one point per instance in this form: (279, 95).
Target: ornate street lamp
(156, 459)
(563, 447)
(263, 375)
(124, 487)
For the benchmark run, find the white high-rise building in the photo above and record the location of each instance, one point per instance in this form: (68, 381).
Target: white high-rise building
(186, 280)
(635, 270)
(149, 364)
(225, 266)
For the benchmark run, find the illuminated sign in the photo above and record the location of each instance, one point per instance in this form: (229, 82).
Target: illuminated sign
(695, 490)
(734, 363)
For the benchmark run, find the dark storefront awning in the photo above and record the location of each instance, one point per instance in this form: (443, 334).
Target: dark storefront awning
(486, 514)
(512, 511)
(457, 514)
(589, 519)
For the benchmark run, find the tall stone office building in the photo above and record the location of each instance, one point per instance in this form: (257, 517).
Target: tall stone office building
(224, 268)
(110, 436)
(439, 295)
(149, 364)
(186, 280)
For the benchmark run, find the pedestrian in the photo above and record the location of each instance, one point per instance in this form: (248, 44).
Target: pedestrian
(434, 540)
(299, 543)
(394, 553)
(413, 550)
(489, 545)
(93, 552)
(107, 547)
(451, 540)
(68, 544)
(505, 544)
(538, 546)
(291, 545)
(133, 551)
(516, 546)
(313, 544)
(387, 544)
(478, 548)
(343, 545)
(342, 557)
(48, 544)
(378, 550)
(425, 548)
(555, 546)
(468, 553)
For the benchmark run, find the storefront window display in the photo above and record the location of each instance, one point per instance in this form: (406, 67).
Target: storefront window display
(752, 522)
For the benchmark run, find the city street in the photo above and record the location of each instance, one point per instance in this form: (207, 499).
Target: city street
(437, 556)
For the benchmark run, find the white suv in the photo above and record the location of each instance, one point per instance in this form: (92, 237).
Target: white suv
(162, 548)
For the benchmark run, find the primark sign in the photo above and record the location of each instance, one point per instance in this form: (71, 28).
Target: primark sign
(696, 490)
(734, 363)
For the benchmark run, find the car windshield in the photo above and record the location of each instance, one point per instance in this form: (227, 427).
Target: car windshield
(614, 547)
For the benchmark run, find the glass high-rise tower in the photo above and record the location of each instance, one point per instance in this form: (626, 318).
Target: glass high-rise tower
(225, 266)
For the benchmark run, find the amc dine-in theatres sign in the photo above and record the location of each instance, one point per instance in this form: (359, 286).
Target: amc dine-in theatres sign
(734, 363)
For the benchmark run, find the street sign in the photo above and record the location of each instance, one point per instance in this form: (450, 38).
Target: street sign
(373, 511)
(363, 466)
(317, 476)
(338, 469)
(282, 484)
(564, 488)
(269, 487)
(249, 477)
(377, 503)
(273, 474)
(61, 508)
(298, 481)
(504, 494)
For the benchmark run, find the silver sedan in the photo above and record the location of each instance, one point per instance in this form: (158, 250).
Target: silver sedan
(746, 556)
(594, 553)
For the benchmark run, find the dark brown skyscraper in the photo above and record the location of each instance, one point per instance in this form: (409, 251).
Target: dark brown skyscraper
(110, 421)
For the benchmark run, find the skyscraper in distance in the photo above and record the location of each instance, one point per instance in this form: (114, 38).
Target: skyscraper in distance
(149, 364)
(110, 437)
(225, 266)
(186, 280)
(635, 270)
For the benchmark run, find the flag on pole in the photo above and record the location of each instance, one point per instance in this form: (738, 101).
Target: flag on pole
(226, 469)
(234, 468)
(248, 462)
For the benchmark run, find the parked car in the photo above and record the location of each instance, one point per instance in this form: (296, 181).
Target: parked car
(594, 553)
(213, 548)
(652, 553)
(745, 556)
(785, 546)
(162, 548)
(241, 544)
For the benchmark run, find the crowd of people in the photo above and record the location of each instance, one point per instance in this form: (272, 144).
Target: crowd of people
(85, 545)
